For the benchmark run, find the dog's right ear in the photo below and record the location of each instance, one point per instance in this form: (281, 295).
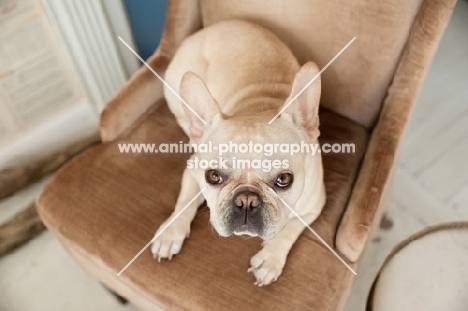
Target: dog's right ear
(304, 109)
(203, 107)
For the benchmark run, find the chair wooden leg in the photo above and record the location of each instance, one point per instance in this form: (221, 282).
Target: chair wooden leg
(386, 222)
(119, 298)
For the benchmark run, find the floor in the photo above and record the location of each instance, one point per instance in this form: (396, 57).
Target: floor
(431, 187)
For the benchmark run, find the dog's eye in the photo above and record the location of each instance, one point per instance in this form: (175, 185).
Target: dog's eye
(284, 179)
(213, 177)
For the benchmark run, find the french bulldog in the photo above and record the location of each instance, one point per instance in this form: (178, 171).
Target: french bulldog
(237, 76)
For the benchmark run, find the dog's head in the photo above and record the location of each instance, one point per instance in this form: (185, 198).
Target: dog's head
(243, 188)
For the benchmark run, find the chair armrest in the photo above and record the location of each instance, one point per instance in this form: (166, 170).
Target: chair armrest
(136, 96)
(374, 176)
(144, 89)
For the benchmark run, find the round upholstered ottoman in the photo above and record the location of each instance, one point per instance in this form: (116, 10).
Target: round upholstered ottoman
(427, 272)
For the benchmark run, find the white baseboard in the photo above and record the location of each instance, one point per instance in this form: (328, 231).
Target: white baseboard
(78, 123)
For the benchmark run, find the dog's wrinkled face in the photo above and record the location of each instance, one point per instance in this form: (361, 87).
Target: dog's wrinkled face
(239, 196)
(238, 193)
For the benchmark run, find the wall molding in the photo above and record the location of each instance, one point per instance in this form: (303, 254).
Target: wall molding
(89, 29)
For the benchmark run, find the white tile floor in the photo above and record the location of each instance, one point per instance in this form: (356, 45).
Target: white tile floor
(431, 186)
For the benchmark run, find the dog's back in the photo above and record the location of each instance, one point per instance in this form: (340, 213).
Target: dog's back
(240, 62)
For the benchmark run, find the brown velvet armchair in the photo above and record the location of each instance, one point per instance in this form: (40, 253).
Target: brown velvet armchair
(104, 206)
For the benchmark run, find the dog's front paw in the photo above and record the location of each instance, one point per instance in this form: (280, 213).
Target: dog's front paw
(169, 242)
(266, 266)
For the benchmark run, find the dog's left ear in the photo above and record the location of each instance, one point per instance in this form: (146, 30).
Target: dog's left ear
(196, 94)
(304, 109)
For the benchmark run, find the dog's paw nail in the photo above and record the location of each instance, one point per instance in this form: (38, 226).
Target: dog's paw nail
(170, 241)
(266, 268)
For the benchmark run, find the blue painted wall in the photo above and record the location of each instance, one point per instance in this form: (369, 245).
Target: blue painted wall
(147, 21)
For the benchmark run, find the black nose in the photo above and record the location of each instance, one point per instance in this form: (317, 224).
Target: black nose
(247, 199)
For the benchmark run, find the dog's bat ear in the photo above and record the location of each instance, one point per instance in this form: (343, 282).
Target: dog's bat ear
(202, 106)
(304, 108)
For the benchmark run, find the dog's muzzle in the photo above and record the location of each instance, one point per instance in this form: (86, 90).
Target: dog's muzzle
(246, 213)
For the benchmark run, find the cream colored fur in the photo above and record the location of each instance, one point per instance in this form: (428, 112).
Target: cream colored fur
(237, 76)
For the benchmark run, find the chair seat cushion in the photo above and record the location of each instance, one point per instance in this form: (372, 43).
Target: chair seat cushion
(105, 206)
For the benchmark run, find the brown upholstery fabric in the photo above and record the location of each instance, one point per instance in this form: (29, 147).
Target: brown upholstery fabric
(313, 28)
(105, 206)
(356, 83)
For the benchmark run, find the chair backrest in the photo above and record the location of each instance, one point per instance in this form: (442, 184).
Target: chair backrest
(356, 83)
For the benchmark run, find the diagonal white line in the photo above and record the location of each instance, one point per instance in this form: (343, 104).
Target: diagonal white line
(161, 231)
(162, 80)
(311, 81)
(313, 231)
